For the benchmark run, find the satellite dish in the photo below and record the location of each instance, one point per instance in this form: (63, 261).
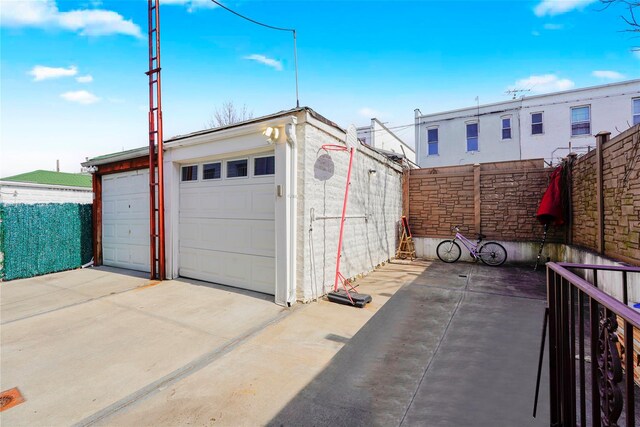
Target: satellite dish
(352, 137)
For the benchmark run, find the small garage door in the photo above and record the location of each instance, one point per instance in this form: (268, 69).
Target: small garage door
(125, 220)
(227, 223)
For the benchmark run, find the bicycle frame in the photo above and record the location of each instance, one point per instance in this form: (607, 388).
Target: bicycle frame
(471, 247)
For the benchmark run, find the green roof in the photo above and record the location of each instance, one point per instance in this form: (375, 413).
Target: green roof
(53, 178)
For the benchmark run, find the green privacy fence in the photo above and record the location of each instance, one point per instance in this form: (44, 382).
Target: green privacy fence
(44, 238)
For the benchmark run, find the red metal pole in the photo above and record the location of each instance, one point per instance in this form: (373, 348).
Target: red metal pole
(152, 133)
(160, 225)
(156, 184)
(344, 212)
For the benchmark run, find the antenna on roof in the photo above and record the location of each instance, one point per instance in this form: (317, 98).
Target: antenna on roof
(515, 92)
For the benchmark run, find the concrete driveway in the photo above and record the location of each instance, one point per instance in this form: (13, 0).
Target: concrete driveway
(79, 344)
(440, 344)
(108, 346)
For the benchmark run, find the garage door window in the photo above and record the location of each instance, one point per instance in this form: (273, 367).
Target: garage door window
(211, 170)
(190, 173)
(264, 166)
(237, 168)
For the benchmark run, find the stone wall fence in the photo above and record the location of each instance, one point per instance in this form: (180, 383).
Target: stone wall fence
(501, 200)
(498, 199)
(606, 197)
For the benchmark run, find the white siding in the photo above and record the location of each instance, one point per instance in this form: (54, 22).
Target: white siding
(30, 194)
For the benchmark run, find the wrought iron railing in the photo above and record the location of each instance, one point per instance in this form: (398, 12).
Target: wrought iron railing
(584, 330)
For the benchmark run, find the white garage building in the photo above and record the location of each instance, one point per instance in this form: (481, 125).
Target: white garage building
(255, 213)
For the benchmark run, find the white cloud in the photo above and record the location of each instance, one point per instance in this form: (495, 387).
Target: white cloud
(45, 14)
(40, 72)
(80, 97)
(553, 27)
(84, 79)
(97, 23)
(636, 53)
(608, 75)
(266, 61)
(543, 84)
(535, 33)
(557, 7)
(191, 5)
(369, 113)
(26, 13)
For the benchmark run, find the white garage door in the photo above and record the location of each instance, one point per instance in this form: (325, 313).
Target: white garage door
(125, 220)
(227, 224)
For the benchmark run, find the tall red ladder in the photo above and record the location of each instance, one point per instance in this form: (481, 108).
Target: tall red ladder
(156, 182)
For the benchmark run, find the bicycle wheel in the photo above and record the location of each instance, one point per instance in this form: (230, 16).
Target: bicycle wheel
(493, 254)
(448, 251)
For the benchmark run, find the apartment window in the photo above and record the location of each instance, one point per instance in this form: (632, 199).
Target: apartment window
(237, 168)
(581, 121)
(636, 111)
(432, 142)
(506, 127)
(536, 124)
(472, 136)
(211, 170)
(190, 173)
(264, 166)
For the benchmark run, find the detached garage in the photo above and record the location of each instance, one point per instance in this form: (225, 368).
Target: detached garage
(125, 220)
(250, 211)
(226, 225)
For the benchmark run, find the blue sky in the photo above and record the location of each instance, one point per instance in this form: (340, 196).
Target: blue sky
(73, 85)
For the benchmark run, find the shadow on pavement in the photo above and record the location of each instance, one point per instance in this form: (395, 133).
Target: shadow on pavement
(456, 346)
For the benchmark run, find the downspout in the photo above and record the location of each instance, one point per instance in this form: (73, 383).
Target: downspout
(290, 131)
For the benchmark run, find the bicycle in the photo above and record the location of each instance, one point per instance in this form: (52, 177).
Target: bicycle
(491, 253)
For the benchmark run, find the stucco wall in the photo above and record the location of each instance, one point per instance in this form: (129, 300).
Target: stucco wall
(611, 109)
(452, 138)
(375, 202)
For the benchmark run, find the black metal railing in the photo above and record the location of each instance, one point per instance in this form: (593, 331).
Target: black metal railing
(584, 330)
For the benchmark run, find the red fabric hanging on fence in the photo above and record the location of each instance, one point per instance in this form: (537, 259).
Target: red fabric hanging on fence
(550, 209)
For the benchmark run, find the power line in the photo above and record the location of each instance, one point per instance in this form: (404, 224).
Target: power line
(252, 20)
(368, 129)
(292, 30)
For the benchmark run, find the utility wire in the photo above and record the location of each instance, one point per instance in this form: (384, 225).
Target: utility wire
(252, 20)
(291, 30)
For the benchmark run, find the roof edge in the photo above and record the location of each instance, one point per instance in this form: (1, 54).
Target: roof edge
(515, 101)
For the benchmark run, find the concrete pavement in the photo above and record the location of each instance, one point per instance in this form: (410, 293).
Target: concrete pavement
(458, 346)
(440, 345)
(79, 342)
